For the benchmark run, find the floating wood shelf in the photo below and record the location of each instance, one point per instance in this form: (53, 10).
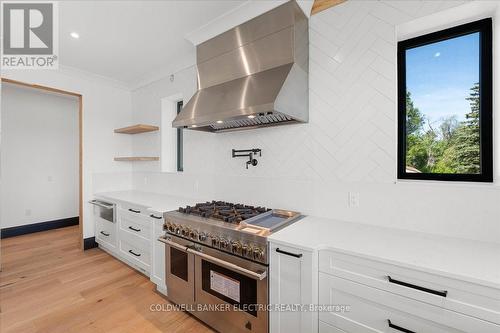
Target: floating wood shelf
(137, 158)
(139, 128)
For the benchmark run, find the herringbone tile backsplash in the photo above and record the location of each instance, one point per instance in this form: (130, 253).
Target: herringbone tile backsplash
(349, 144)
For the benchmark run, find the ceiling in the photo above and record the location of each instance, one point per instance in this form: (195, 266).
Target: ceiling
(130, 41)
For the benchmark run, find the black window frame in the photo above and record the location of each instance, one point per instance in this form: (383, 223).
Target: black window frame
(180, 142)
(484, 27)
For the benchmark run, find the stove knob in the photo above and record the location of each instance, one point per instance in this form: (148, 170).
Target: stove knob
(258, 253)
(177, 229)
(246, 250)
(202, 236)
(215, 241)
(185, 231)
(193, 234)
(224, 244)
(171, 227)
(236, 247)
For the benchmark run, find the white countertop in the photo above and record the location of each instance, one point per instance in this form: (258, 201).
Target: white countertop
(474, 261)
(158, 202)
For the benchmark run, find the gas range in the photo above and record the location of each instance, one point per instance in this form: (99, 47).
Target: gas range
(240, 230)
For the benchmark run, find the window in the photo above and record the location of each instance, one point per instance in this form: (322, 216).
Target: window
(445, 105)
(171, 138)
(180, 145)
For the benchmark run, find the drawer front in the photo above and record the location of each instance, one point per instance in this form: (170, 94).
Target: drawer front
(134, 223)
(327, 328)
(135, 253)
(375, 310)
(134, 209)
(105, 233)
(468, 298)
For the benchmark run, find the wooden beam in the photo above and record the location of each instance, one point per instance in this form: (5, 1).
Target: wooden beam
(320, 5)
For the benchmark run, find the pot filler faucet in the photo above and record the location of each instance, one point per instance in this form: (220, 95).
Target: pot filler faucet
(250, 153)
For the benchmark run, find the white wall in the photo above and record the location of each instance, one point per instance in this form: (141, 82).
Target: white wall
(349, 145)
(40, 156)
(106, 106)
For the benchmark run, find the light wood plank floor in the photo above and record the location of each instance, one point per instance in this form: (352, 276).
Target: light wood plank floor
(48, 285)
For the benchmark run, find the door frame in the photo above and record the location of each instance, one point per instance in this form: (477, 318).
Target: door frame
(80, 139)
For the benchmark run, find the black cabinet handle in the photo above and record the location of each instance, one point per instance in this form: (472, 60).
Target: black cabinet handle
(289, 253)
(135, 254)
(132, 228)
(155, 217)
(442, 293)
(105, 234)
(399, 328)
(134, 211)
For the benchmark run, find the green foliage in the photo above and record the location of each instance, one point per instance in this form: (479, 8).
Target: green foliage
(452, 147)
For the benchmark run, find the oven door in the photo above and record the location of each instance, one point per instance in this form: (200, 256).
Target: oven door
(179, 268)
(233, 291)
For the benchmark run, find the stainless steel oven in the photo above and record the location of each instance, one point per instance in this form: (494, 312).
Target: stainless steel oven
(225, 291)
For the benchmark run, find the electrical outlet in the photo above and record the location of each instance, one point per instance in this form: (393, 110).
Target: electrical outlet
(50, 178)
(353, 199)
(145, 180)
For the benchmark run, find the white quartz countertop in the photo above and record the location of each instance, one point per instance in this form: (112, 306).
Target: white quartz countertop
(474, 261)
(157, 202)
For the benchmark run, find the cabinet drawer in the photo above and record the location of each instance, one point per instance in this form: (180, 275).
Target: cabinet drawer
(375, 310)
(136, 253)
(461, 296)
(326, 328)
(105, 233)
(135, 223)
(133, 209)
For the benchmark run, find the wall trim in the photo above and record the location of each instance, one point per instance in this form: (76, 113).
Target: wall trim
(89, 243)
(37, 227)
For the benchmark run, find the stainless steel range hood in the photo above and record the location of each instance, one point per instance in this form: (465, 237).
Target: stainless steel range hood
(253, 75)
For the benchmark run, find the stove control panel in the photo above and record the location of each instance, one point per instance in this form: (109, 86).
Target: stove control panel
(235, 246)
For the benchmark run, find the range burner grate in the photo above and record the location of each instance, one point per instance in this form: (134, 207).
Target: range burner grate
(224, 211)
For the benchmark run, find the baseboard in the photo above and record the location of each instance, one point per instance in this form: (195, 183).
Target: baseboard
(36, 227)
(89, 243)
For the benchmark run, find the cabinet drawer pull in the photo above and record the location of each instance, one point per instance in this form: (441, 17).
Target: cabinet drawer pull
(135, 254)
(132, 228)
(289, 253)
(442, 293)
(134, 211)
(399, 328)
(105, 234)
(156, 217)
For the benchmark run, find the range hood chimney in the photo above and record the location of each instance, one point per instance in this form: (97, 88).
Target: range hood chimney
(253, 75)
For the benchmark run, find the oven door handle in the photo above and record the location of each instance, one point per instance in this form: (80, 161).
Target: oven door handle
(254, 275)
(173, 244)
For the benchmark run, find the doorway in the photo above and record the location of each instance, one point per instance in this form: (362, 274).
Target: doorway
(53, 185)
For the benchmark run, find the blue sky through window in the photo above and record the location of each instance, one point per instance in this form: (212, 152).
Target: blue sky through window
(439, 76)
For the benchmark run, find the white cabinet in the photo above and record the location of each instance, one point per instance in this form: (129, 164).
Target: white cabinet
(133, 238)
(157, 252)
(385, 297)
(293, 276)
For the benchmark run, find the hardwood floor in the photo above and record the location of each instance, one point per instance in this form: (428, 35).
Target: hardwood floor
(47, 284)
